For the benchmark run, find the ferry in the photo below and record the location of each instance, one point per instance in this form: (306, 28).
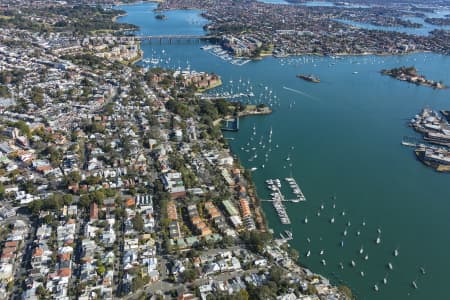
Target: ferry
(310, 78)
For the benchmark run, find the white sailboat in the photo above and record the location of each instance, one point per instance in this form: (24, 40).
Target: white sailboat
(390, 266)
(308, 253)
(396, 252)
(332, 220)
(306, 220)
(375, 287)
(321, 252)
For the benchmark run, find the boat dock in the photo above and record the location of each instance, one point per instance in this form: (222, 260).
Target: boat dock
(285, 238)
(295, 188)
(226, 96)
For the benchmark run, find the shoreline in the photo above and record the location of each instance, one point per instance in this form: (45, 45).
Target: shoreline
(259, 213)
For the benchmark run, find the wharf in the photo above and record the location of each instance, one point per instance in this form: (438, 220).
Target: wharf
(277, 201)
(226, 96)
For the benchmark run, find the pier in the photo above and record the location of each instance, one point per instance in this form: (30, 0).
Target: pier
(230, 124)
(226, 96)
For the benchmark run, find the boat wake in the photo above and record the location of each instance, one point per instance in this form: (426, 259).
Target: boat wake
(300, 93)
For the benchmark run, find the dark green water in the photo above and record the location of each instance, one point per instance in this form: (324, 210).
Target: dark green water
(343, 137)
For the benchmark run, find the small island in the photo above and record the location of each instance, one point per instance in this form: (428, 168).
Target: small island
(310, 78)
(161, 17)
(410, 74)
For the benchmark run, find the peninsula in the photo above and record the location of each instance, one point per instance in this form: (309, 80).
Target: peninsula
(411, 75)
(116, 182)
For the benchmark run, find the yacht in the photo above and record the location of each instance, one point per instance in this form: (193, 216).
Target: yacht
(378, 240)
(364, 223)
(322, 207)
(375, 287)
(345, 232)
(323, 262)
(332, 220)
(362, 273)
(318, 213)
(342, 243)
(396, 252)
(358, 233)
(361, 250)
(306, 220)
(321, 252)
(343, 213)
(385, 280)
(422, 270)
(414, 284)
(353, 263)
(349, 224)
(308, 253)
(390, 266)
(366, 257)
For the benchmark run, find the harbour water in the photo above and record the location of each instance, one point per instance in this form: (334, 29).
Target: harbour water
(342, 137)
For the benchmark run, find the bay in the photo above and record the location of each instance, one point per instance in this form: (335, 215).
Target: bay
(343, 138)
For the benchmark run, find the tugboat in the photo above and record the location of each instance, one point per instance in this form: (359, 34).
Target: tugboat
(310, 78)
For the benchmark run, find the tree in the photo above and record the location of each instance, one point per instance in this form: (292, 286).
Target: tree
(275, 274)
(37, 96)
(67, 199)
(189, 275)
(85, 201)
(35, 206)
(73, 177)
(2, 190)
(138, 223)
(137, 283)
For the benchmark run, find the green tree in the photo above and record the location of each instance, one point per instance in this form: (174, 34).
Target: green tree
(138, 223)
(189, 275)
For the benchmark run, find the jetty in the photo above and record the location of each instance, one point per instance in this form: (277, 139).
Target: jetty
(226, 96)
(278, 199)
